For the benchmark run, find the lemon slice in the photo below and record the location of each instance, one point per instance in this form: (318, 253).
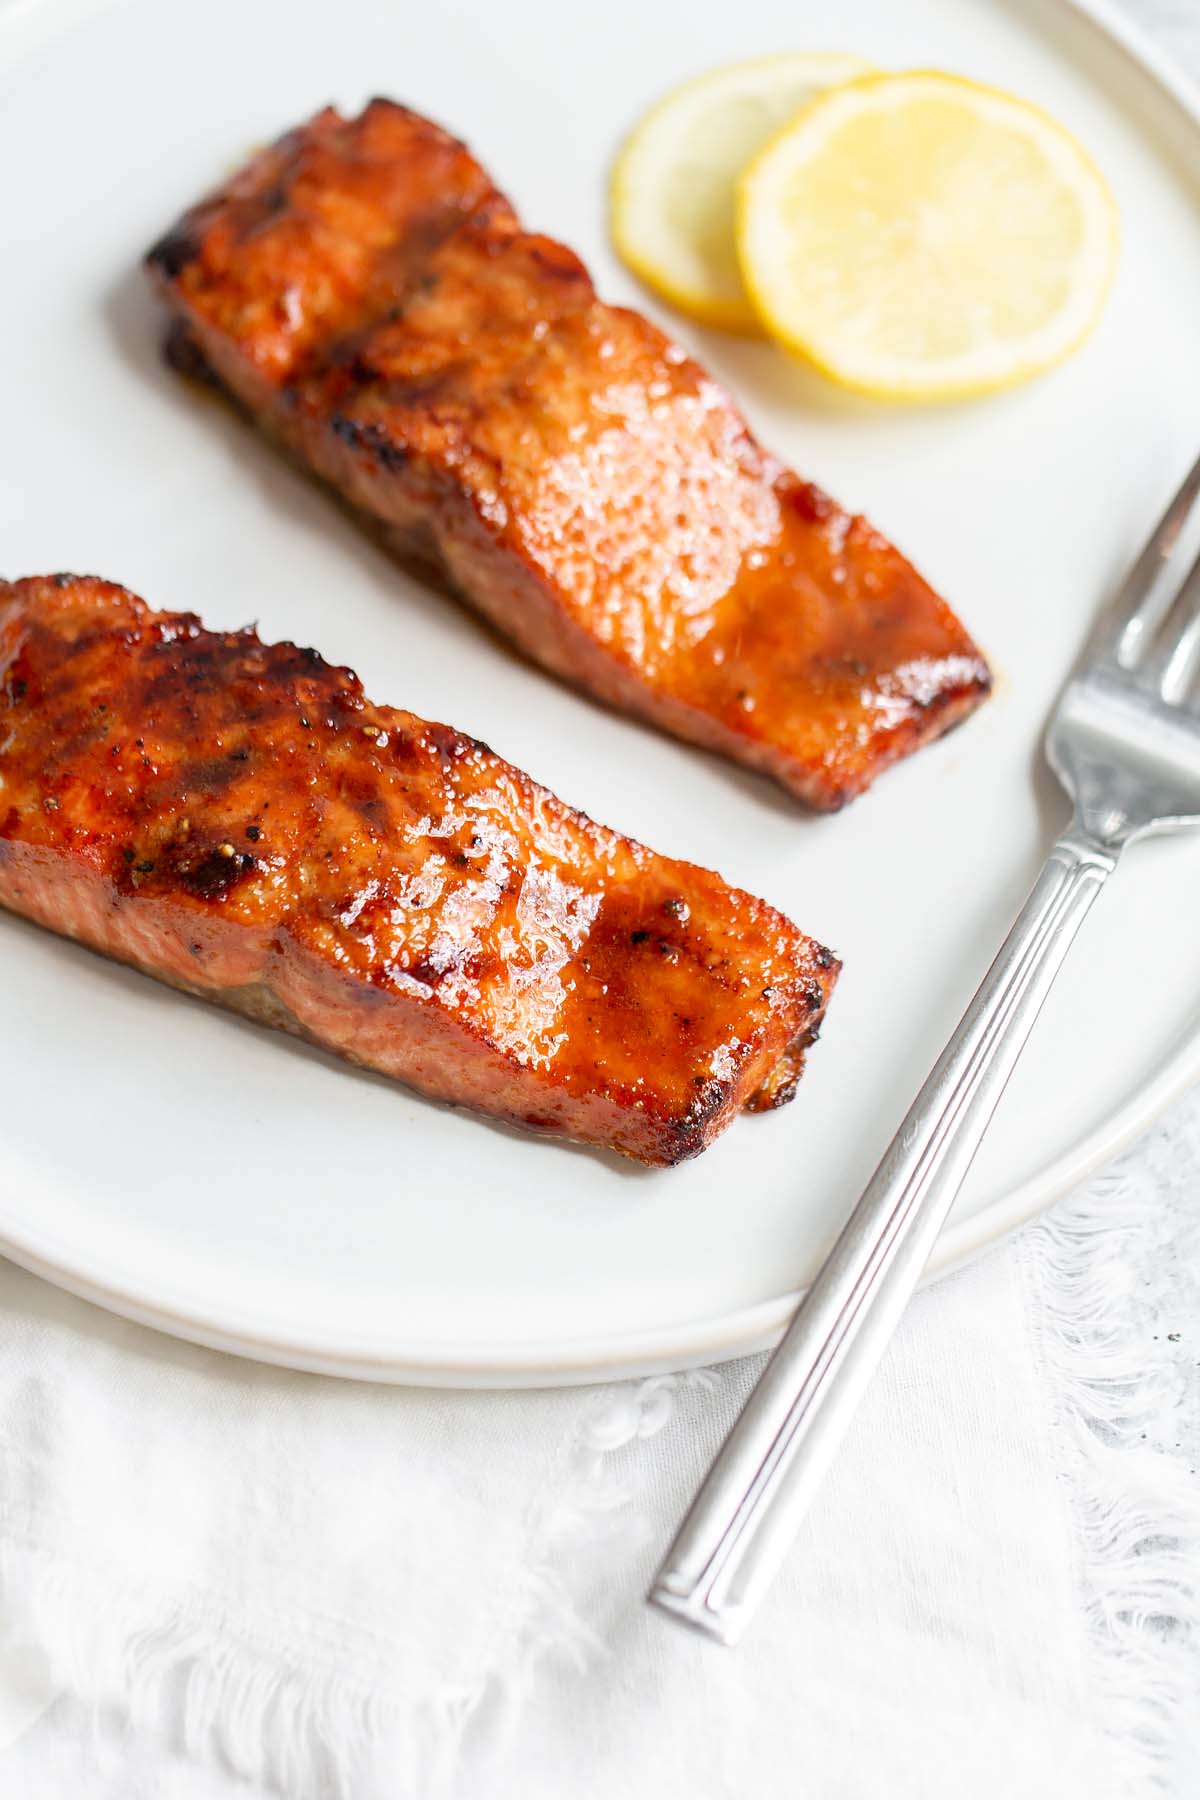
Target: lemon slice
(920, 237)
(674, 184)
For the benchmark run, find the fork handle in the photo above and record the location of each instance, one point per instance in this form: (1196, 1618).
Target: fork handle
(746, 1513)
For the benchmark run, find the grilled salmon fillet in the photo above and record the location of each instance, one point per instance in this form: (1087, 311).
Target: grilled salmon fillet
(236, 819)
(369, 296)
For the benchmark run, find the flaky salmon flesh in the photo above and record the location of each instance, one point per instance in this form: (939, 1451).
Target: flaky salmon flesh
(370, 297)
(237, 819)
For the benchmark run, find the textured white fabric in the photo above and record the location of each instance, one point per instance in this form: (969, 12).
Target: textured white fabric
(242, 1583)
(250, 1582)
(322, 1549)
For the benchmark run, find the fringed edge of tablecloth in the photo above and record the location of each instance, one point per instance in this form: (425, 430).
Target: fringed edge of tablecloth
(1110, 1274)
(201, 1685)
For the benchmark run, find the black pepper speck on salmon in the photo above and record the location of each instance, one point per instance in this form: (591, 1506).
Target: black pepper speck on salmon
(366, 292)
(238, 819)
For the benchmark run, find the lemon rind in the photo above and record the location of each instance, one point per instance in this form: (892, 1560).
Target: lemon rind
(931, 387)
(737, 316)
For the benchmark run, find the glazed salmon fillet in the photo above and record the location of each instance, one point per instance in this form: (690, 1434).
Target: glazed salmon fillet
(236, 819)
(364, 290)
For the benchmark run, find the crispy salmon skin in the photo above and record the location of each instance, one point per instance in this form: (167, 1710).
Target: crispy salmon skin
(237, 819)
(364, 290)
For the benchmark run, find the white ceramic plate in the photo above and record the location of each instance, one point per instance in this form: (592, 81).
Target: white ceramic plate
(231, 1186)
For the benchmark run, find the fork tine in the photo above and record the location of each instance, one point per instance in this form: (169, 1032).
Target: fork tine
(1175, 656)
(1133, 614)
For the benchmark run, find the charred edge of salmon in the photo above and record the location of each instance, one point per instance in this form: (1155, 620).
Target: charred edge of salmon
(681, 1140)
(680, 1131)
(413, 549)
(171, 261)
(694, 1130)
(781, 1083)
(416, 551)
(935, 718)
(182, 353)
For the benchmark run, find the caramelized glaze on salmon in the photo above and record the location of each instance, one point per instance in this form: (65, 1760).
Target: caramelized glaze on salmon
(367, 293)
(237, 819)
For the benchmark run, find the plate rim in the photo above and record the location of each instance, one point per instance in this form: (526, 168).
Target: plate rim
(620, 1355)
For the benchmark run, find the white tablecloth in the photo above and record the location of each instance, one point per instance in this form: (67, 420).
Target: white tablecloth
(220, 1580)
(250, 1582)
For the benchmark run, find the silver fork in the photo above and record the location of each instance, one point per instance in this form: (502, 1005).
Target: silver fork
(1125, 744)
